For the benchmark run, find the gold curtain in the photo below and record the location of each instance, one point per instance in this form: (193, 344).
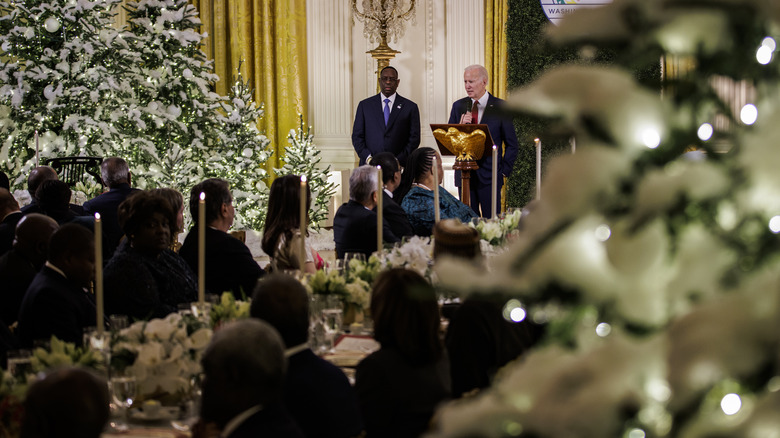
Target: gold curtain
(270, 37)
(496, 12)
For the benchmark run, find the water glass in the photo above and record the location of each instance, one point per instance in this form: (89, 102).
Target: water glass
(123, 394)
(19, 363)
(118, 322)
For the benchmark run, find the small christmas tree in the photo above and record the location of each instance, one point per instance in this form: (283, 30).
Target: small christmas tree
(65, 75)
(244, 153)
(303, 158)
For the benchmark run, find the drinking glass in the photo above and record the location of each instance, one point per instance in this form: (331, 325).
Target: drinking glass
(118, 322)
(123, 393)
(19, 363)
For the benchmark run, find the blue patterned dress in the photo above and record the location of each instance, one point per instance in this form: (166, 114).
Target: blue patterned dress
(418, 205)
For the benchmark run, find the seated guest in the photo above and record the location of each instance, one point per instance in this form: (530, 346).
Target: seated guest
(66, 402)
(10, 214)
(53, 201)
(400, 385)
(19, 265)
(480, 340)
(144, 279)
(177, 203)
(5, 183)
(416, 192)
(316, 392)
(391, 179)
(355, 223)
(116, 176)
(229, 263)
(282, 233)
(34, 179)
(57, 302)
(244, 369)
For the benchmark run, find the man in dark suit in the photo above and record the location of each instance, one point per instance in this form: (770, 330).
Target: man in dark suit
(19, 266)
(391, 179)
(57, 302)
(386, 122)
(38, 175)
(244, 369)
(116, 176)
(355, 223)
(10, 215)
(484, 108)
(316, 392)
(229, 263)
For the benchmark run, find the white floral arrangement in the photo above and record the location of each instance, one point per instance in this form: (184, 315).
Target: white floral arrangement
(415, 254)
(163, 354)
(496, 231)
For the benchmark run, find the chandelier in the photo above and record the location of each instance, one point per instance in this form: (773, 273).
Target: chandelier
(384, 19)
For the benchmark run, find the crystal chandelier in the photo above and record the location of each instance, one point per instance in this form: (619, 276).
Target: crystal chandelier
(384, 19)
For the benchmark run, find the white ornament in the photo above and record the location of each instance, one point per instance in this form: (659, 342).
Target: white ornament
(187, 73)
(247, 152)
(52, 25)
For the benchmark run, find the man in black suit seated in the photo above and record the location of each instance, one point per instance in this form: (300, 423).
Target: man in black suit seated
(19, 265)
(10, 215)
(316, 392)
(391, 179)
(386, 122)
(37, 176)
(244, 369)
(67, 402)
(57, 302)
(229, 263)
(355, 223)
(116, 176)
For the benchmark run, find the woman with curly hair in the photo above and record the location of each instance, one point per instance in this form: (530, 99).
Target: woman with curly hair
(283, 232)
(145, 279)
(416, 193)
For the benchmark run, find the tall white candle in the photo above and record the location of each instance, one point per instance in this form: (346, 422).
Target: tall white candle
(202, 249)
(99, 273)
(538, 144)
(379, 214)
(436, 210)
(573, 143)
(494, 195)
(37, 150)
(302, 224)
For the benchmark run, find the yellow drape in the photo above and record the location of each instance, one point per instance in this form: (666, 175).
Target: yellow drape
(496, 12)
(270, 37)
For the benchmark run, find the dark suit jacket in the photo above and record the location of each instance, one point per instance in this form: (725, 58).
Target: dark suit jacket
(401, 136)
(395, 216)
(271, 422)
(396, 398)
(34, 207)
(17, 273)
(229, 263)
(354, 229)
(8, 230)
(106, 204)
(320, 398)
(54, 305)
(501, 130)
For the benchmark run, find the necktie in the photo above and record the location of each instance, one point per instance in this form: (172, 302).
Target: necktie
(387, 110)
(475, 112)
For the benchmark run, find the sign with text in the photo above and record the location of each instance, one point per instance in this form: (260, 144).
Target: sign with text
(555, 10)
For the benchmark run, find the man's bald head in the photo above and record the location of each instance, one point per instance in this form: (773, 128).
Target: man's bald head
(37, 176)
(8, 203)
(33, 233)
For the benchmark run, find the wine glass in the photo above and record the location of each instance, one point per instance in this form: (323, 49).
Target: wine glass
(123, 393)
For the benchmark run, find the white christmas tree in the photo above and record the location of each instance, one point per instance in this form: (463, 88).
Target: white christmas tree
(172, 130)
(244, 153)
(303, 158)
(65, 75)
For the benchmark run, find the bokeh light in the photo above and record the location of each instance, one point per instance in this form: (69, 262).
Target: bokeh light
(705, 132)
(731, 404)
(748, 114)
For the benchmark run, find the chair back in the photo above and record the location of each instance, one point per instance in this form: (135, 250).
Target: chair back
(77, 169)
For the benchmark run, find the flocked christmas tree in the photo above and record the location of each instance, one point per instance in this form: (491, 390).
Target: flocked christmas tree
(303, 158)
(173, 131)
(65, 74)
(244, 153)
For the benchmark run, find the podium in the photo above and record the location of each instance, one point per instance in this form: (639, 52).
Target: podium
(468, 143)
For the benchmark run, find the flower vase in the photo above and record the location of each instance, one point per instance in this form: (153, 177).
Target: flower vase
(353, 314)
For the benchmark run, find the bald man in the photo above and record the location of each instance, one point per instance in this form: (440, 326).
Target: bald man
(19, 265)
(9, 217)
